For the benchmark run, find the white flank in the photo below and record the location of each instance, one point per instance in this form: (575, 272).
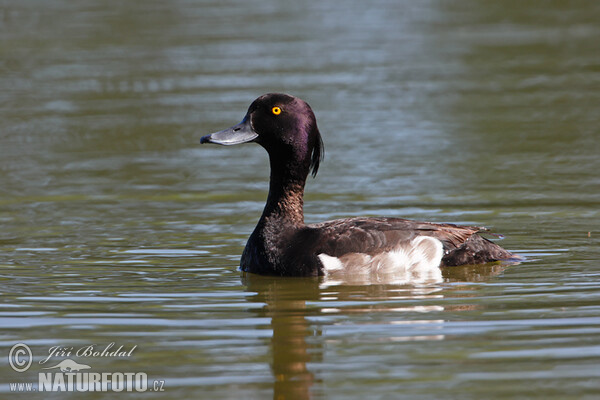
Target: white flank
(331, 263)
(416, 261)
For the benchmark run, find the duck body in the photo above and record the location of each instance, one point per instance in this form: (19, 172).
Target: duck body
(364, 246)
(282, 244)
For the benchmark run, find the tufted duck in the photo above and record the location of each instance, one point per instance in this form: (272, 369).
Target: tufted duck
(282, 244)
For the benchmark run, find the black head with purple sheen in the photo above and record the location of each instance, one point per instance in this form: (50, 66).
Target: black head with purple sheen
(285, 126)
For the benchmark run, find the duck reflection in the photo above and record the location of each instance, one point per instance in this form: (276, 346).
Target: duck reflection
(474, 273)
(291, 302)
(285, 303)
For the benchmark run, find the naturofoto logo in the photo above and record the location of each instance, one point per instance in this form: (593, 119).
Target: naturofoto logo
(69, 375)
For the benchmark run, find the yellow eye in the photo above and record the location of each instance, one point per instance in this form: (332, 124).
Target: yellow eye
(276, 110)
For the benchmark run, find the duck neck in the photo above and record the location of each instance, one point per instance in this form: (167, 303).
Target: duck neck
(285, 201)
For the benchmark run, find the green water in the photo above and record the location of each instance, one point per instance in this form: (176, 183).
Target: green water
(116, 226)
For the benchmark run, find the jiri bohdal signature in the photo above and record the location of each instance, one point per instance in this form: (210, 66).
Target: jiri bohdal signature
(91, 350)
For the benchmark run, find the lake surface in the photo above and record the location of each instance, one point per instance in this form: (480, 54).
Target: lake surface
(116, 226)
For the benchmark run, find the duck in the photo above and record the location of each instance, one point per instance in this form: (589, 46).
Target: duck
(283, 245)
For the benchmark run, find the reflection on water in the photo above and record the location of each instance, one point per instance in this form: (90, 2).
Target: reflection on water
(117, 227)
(286, 307)
(307, 314)
(396, 274)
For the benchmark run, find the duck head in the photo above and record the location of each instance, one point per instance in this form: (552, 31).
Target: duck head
(285, 126)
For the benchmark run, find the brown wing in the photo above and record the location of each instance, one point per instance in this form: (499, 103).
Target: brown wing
(373, 235)
(368, 235)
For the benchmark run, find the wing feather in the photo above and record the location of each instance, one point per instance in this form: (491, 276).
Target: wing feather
(372, 235)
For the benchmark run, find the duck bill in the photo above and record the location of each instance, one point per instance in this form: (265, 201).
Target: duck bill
(240, 133)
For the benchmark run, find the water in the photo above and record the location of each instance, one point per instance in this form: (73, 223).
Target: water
(116, 226)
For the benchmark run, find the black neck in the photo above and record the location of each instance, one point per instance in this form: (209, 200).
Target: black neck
(286, 190)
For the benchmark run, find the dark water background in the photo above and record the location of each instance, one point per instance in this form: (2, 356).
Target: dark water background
(116, 226)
